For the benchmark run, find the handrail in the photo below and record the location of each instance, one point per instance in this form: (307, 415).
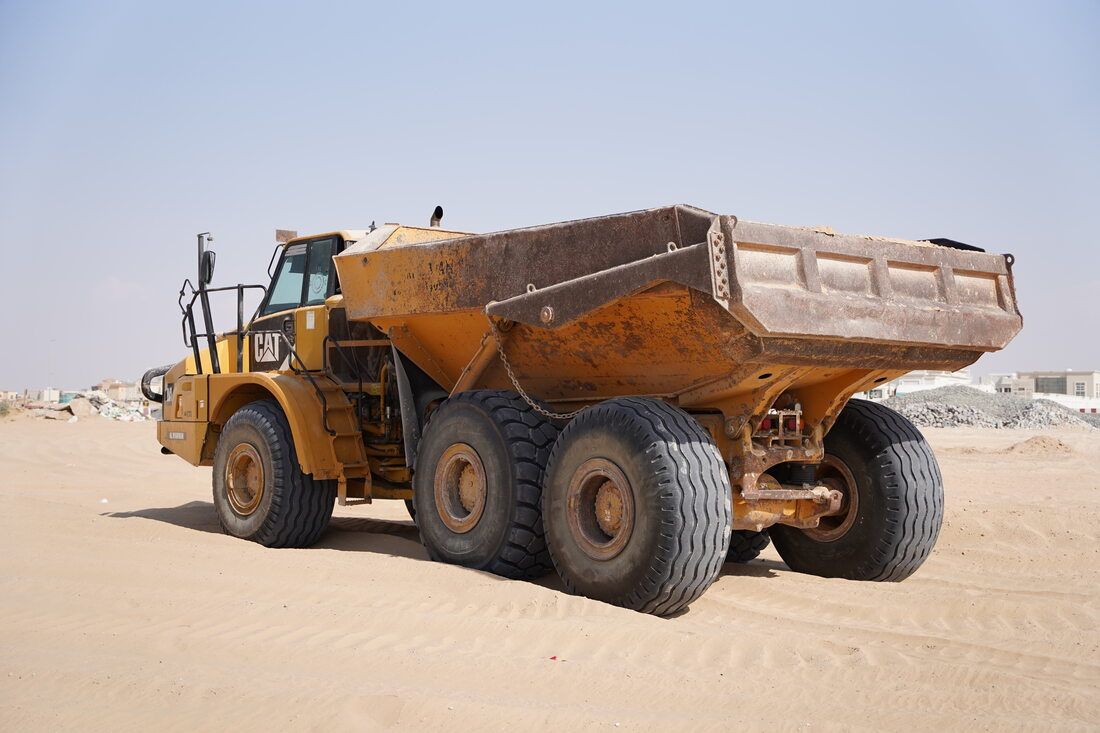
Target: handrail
(191, 340)
(353, 362)
(190, 335)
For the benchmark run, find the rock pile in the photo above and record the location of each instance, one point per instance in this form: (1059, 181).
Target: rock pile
(85, 404)
(949, 407)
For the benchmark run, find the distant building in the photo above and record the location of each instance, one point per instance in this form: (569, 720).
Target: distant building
(1077, 390)
(49, 394)
(124, 393)
(1068, 382)
(920, 380)
(7, 396)
(1014, 385)
(119, 391)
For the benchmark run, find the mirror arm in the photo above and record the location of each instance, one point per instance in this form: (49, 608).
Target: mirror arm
(204, 297)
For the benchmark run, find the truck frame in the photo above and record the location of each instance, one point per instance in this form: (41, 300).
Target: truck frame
(632, 400)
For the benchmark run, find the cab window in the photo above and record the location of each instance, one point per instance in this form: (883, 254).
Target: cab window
(320, 271)
(286, 288)
(305, 276)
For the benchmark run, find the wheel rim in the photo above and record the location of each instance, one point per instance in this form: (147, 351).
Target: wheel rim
(600, 508)
(244, 479)
(460, 488)
(835, 474)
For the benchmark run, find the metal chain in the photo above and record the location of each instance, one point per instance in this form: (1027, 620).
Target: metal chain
(519, 388)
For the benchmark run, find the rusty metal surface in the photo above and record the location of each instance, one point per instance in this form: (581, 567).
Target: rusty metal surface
(470, 271)
(834, 473)
(790, 281)
(723, 317)
(460, 486)
(600, 508)
(712, 313)
(563, 303)
(776, 503)
(666, 301)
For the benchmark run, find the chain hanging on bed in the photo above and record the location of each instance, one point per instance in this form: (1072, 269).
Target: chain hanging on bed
(515, 382)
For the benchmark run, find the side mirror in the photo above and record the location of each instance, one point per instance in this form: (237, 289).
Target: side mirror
(207, 271)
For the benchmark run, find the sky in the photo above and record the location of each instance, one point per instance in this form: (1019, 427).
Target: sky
(128, 127)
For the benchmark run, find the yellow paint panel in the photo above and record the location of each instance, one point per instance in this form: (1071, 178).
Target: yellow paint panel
(184, 439)
(310, 329)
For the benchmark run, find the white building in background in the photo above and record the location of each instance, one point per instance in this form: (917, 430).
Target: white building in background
(120, 391)
(1077, 390)
(920, 380)
(49, 394)
(124, 392)
(1007, 384)
(1068, 382)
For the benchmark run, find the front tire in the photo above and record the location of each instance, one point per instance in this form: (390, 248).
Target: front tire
(260, 493)
(637, 506)
(893, 506)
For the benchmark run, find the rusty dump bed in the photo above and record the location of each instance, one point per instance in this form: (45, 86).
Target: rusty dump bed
(705, 310)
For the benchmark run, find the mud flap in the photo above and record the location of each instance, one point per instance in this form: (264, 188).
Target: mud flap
(410, 420)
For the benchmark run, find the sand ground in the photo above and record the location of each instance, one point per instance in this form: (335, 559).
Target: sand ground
(123, 607)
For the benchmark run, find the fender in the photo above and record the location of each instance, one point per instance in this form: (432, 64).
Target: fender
(299, 402)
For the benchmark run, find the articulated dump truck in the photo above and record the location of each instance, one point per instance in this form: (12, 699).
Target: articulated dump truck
(631, 400)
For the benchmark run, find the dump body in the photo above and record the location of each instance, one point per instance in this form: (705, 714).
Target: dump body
(703, 310)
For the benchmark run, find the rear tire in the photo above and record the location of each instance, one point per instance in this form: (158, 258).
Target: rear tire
(899, 501)
(477, 485)
(260, 493)
(637, 506)
(746, 545)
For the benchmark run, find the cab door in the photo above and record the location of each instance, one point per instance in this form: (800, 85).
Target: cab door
(293, 312)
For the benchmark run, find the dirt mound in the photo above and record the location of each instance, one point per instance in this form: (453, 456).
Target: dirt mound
(1040, 445)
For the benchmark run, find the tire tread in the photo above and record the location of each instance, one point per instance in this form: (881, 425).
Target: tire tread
(528, 437)
(698, 510)
(913, 494)
(301, 506)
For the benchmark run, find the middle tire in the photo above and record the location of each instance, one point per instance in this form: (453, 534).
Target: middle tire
(636, 503)
(746, 545)
(477, 484)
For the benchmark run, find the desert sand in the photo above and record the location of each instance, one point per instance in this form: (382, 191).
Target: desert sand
(124, 607)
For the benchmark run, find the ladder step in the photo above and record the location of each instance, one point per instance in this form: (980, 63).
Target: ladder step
(352, 471)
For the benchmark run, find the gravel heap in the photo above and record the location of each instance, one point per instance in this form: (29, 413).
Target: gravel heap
(949, 407)
(85, 404)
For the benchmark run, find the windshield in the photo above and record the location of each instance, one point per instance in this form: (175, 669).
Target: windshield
(286, 290)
